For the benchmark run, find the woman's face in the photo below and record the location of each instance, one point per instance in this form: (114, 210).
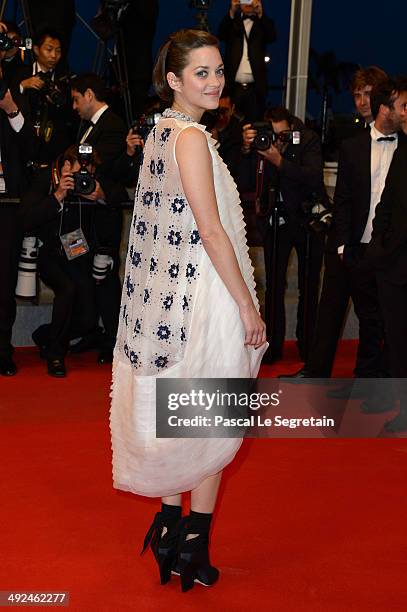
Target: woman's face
(201, 82)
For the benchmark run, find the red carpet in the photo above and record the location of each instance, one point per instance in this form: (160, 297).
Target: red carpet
(314, 525)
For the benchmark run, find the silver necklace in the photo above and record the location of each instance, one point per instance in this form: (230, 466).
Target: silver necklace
(170, 113)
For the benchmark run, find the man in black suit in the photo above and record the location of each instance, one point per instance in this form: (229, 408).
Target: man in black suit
(247, 31)
(14, 132)
(363, 167)
(50, 115)
(336, 289)
(107, 133)
(294, 171)
(388, 254)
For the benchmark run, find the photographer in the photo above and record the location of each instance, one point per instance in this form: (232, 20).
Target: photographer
(293, 172)
(41, 92)
(56, 209)
(246, 32)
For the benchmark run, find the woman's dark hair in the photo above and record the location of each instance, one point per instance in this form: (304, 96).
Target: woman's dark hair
(277, 114)
(173, 57)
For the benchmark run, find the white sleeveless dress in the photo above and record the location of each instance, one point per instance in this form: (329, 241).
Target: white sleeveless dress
(177, 320)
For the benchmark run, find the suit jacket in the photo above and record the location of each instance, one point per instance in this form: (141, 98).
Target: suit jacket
(13, 157)
(263, 32)
(63, 120)
(300, 174)
(108, 137)
(353, 189)
(388, 247)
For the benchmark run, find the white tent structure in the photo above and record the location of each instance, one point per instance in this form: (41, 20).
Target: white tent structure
(298, 56)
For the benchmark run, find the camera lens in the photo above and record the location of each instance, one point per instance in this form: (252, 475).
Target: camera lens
(262, 142)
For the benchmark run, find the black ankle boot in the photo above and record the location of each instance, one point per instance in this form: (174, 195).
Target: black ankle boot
(164, 547)
(193, 557)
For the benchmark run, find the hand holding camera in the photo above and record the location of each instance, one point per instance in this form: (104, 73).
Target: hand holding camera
(135, 142)
(66, 182)
(33, 82)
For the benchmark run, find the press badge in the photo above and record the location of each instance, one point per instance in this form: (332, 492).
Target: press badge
(74, 244)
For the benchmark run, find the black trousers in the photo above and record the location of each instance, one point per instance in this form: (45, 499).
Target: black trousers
(248, 102)
(74, 308)
(10, 245)
(332, 309)
(371, 358)
(292, 236)
(108, 298)
(393, 302)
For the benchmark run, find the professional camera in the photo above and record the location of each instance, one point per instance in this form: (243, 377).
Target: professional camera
(51, 90)
(84, 181)
(27, 268)
(145, 124)
(266, 136)
(7, 43)
(102, 264)
(319, 213)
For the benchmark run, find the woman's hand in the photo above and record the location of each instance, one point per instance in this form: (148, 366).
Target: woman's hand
(254, 326)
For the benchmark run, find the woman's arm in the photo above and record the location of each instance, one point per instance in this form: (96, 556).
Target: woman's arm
(195, 166)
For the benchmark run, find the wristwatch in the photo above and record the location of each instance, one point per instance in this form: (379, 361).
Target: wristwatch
(13, 114)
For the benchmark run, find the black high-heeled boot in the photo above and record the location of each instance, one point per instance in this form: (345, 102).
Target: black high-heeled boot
(165, 546)
(193, 563)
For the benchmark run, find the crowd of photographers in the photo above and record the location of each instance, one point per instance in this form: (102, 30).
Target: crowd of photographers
(73, 162)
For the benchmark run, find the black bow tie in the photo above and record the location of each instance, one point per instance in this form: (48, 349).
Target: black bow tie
(248, 17)
(386, 139)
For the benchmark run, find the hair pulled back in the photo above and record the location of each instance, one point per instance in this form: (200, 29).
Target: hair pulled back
(173, 56)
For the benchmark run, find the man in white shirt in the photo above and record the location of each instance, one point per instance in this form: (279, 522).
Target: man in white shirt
(247, 31)
(363, 167)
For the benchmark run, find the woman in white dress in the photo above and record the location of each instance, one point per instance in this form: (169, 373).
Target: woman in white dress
(189, 308)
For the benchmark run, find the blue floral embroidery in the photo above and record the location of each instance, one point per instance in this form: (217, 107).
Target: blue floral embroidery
(155, 232)
(173, 270)
(137, 327)
(160, 166)
(126, 350)
(161, 361)
(148, 198)
(190, 271)
(195, 237)
(185, 303)
(129, 286)
(168, 302)
(135, 257)
(141, 228)
(174, 238)
(163, 332)
(178, 205)
(165, 134)
(134, 220)
(152, 166)
(153, 265)
(157, 200)
(133, 358)
(183, 335)
(146, 296)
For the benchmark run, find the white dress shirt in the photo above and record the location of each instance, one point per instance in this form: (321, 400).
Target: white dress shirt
(382, 152)
(94, 119)
(244, 73)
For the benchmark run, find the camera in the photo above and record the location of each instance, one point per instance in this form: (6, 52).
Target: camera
(266, 136)
(7, 43)
(145, 124)
(84, 181)
(51, 90)
(27, 268)
(102, 264)
(319, 213)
